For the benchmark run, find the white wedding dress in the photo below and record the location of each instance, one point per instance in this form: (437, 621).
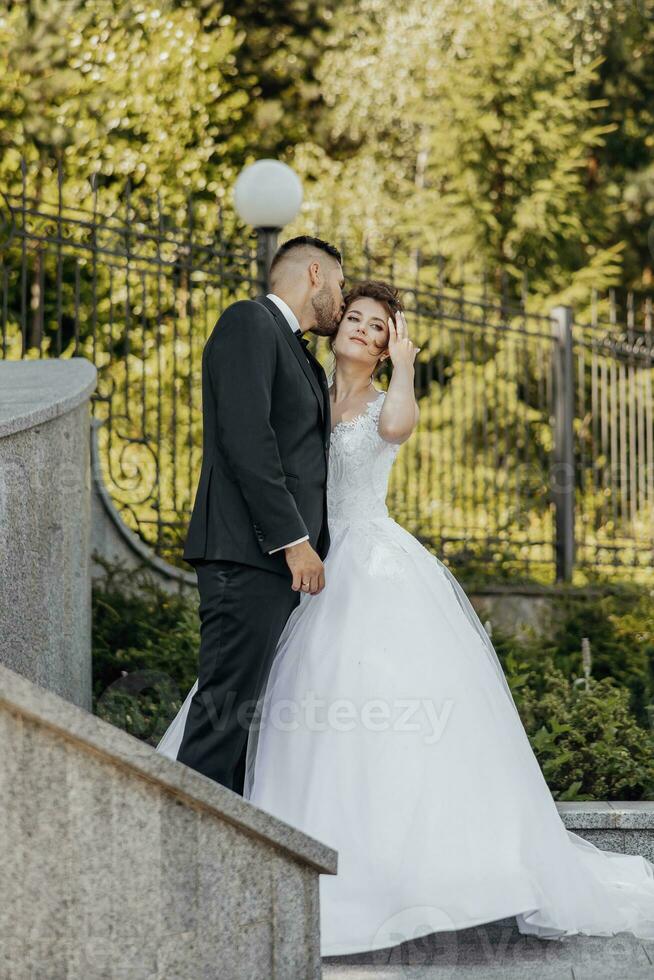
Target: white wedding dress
(387, 730)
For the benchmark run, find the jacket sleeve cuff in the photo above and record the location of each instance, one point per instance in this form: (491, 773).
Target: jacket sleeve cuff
(305, 538)
(269, 539)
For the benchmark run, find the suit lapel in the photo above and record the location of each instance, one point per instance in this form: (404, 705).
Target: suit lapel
(327, 415)
(298, 352)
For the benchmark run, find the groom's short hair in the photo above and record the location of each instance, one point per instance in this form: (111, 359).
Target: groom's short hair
(303, 241)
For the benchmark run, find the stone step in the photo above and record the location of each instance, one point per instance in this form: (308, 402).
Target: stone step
(498, 950)
(619, 825)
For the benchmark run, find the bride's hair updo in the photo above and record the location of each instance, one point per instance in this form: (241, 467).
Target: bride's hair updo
(383, 292)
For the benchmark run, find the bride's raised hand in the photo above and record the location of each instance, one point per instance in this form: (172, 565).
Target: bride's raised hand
(401, 349)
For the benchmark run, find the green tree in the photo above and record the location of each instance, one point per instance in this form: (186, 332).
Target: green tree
(140, 92)
(473, 131)
(621, 32)
(279, 50)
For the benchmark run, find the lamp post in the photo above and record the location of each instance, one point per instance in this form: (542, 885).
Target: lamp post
(267, 195)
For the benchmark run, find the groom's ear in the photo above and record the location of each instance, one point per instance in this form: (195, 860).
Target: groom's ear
(314, 273)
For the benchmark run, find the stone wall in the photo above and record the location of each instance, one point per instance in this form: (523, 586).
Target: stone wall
(45, 584)
(118, 862)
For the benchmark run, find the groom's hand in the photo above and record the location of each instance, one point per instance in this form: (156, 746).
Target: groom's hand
(307, 568)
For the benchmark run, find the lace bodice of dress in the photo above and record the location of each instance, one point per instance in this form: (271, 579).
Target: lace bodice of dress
(360, 463)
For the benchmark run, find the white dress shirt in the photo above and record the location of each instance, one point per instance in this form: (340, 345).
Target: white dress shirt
(294, 324)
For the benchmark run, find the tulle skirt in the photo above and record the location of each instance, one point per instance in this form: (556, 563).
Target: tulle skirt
(387, 730)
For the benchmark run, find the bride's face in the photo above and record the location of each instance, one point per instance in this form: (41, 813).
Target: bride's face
(363, 332)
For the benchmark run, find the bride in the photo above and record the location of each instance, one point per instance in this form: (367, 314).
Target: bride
(387, 729)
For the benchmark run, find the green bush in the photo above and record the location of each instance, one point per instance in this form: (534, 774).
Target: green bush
(587, 741)
(619, 623)
(620, 627)
(145, 652)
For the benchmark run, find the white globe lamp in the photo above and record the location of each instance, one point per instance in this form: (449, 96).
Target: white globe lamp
(267, 195)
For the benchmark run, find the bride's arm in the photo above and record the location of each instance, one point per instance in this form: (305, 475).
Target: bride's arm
(400, 411)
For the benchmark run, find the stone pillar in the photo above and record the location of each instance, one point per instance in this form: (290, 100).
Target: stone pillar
(45, 485)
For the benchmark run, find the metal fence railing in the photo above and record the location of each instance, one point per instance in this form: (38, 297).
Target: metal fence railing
(136, 289)
(613, 419)
(534, 448)
(534, 451)
(472, 481)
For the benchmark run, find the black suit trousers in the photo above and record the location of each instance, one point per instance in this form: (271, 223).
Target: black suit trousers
(243, 610)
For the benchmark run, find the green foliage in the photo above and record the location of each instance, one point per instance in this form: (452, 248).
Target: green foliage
(620, 626)
(138, 90)
(276, 60)
(595, 743)
(587, 742)
(623, 32)
(176, 96)
(618, 621)
(145, 648)
(511, 135)
(491, 133)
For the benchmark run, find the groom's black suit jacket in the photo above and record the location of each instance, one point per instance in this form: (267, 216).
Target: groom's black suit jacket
(266, 429)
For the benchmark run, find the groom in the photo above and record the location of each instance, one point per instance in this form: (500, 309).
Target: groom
(258, 531)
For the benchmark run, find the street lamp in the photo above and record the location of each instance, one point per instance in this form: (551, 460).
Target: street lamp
(267, 195)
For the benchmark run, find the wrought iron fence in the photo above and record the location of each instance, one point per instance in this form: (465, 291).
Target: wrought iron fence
(137, 290)
(473, 480)
(534, 449)
(613, 440)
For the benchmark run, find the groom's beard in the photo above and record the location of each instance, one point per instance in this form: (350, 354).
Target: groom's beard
(327, 316)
